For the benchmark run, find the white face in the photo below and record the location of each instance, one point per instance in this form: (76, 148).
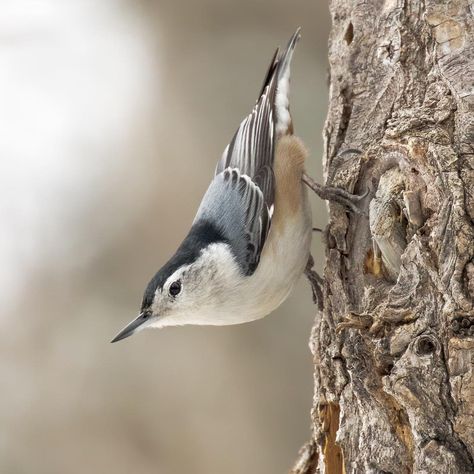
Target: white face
(203, 292)
(196, 293)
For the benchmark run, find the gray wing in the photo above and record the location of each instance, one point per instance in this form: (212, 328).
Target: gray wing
(240, 199)
(244, 185)
(252, 148)
(236, 206)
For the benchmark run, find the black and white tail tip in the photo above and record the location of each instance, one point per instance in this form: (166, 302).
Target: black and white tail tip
(280, 70)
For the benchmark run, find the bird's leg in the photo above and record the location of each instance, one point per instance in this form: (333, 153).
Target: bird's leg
(315, 281)
(338, 195)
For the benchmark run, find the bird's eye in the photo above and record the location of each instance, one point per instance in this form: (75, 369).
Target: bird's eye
(175, 288)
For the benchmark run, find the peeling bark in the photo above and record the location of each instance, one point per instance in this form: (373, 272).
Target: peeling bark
(393, 344)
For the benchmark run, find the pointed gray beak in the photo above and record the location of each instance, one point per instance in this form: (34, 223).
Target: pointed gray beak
(133, 327)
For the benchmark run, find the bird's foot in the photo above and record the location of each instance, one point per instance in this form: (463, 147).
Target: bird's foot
(316, 282)
(341, 196)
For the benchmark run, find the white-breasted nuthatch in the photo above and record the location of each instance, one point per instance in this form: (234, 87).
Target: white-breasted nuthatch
(250, 240)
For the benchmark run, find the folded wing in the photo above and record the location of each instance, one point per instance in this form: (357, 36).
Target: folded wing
(240, 199)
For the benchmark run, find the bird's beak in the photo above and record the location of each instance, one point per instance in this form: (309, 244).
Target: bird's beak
(133, 327)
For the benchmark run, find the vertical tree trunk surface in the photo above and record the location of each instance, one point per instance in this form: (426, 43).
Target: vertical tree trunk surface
(394, 344)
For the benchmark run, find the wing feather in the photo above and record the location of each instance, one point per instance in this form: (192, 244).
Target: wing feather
(242, 194)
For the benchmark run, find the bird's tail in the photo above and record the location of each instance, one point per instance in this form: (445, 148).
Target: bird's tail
(278, 78)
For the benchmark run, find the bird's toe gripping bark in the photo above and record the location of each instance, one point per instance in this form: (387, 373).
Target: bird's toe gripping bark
(315, 281)
(341, 196)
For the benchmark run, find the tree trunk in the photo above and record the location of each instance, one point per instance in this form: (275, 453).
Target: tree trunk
(394, 343)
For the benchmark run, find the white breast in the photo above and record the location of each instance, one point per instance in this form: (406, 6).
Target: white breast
(283, 261)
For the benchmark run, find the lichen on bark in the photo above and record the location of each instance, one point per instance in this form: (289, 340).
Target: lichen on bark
(393, 345)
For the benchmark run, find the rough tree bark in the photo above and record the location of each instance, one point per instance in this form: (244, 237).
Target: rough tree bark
(394, 343)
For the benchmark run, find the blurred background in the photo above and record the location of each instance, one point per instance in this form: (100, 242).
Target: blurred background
(113, 115)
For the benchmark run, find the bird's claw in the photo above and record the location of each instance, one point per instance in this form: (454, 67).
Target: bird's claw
(339, 195)
(316, 282)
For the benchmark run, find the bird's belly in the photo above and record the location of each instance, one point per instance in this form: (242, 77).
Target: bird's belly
(283, 261)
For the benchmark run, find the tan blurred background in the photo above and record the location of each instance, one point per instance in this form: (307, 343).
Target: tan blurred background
(113, 114)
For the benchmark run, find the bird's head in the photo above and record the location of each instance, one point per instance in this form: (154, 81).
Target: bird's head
(192, 292)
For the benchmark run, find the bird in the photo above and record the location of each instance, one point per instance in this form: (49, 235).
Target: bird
(250, 240)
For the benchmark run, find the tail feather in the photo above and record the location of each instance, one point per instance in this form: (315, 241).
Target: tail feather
(252, 148)
(284, 124)
(270, 72)
(279, 71)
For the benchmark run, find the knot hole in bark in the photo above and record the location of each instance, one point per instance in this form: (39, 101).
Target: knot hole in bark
(426, 345)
